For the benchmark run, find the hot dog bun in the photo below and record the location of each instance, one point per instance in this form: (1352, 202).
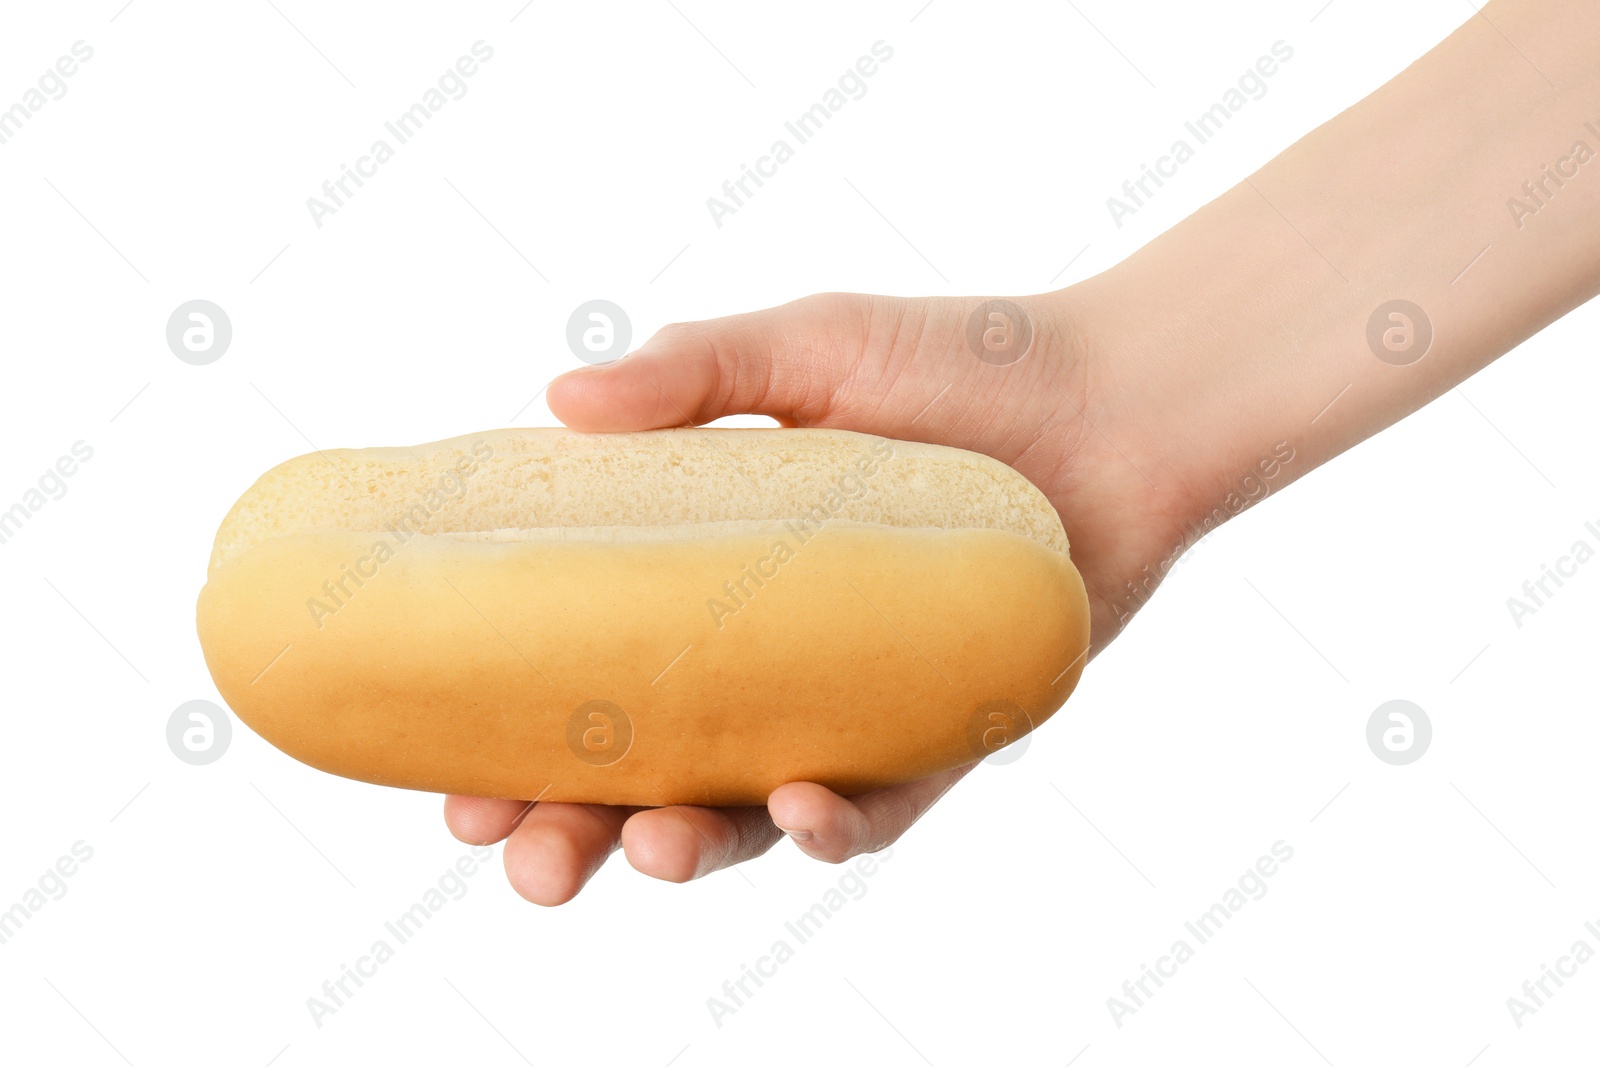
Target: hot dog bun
(678, 616)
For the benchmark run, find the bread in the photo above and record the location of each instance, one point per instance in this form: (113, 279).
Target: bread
(679, 616)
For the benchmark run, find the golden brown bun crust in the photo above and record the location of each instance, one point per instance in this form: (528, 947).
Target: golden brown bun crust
(540, 659)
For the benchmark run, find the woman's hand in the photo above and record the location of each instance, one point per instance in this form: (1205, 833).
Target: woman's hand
(898, 368)
(1155, 396)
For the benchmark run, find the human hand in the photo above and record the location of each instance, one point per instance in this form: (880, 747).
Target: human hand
(1155, 395)
(898, 368)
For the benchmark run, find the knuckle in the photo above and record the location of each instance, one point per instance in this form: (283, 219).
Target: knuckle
(675, 331)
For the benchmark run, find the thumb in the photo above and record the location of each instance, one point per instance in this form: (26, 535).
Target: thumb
(785, 362)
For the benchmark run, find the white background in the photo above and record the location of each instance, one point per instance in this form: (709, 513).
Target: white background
(219, 898)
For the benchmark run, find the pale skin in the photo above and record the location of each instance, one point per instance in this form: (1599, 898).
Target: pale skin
(1154, 389)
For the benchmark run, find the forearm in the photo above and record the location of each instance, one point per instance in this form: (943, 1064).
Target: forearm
(1247, 324)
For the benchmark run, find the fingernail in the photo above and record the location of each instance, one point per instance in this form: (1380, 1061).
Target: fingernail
(798, 835)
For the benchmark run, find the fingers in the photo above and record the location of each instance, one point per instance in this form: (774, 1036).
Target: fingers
(832, 828)
(679, 844)
(785, 362)
(553, 849)
(479, 821)
(557, 848)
